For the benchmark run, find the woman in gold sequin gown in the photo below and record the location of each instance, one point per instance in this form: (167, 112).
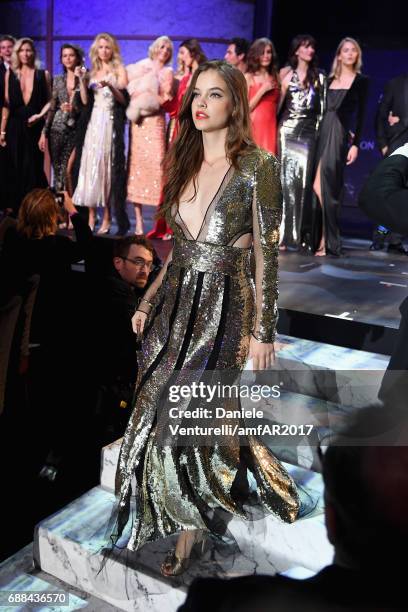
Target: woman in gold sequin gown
(212, 306)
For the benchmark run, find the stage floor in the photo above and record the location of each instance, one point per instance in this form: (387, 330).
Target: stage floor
(364, 286)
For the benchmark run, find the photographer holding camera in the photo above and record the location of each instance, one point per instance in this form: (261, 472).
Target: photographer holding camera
(32, 247)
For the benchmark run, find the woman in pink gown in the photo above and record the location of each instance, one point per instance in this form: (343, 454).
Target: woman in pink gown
(150, 81)
(263, 93)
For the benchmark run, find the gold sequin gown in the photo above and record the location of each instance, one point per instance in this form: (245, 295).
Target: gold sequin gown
(205, 310)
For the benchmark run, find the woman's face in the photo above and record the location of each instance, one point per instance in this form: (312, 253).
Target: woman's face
(69, 59)
(348, 55)
(211, 107)
(305, 52)
(185, 56)
(26, 54)
(104, 50)
(163, 53)
(265, 58)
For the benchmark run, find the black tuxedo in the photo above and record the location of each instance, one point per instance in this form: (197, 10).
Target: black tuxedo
(385, 199)
(395, 100)
(3, 192)
(333, 588)
(2, 75)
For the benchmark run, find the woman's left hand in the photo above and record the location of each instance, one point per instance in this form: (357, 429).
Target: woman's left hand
(262, 354)
(352, 155)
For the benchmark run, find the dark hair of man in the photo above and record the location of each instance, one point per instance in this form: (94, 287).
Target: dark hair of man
(122, 246)
(366, 483)
(241, 46)
(312, 69)
(7, 37)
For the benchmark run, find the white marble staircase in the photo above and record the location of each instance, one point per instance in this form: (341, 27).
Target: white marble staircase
(68, 546)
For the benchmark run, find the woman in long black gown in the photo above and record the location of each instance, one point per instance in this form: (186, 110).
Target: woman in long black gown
(342, 124)
(27, 96)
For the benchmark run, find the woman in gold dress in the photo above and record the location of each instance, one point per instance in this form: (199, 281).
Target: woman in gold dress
(212, 306)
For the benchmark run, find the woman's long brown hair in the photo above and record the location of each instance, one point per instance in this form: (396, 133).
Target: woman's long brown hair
(183, 160)
(254, 54)
(38, 214)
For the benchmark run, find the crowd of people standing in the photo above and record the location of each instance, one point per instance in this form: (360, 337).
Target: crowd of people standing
(311, 121)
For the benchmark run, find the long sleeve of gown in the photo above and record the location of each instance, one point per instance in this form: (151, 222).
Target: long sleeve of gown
(267, 213)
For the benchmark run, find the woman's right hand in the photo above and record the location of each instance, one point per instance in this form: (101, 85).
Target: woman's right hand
(3, 140)
(267, 86)
(138, 322)
(80, 72)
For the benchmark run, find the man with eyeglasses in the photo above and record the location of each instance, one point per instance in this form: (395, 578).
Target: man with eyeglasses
(117, 295)
(133, 260)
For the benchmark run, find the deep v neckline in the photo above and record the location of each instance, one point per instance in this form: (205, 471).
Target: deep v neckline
(217, 193)
(32, 91)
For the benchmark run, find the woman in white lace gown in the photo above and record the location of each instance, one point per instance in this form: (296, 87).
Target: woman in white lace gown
(100, 157)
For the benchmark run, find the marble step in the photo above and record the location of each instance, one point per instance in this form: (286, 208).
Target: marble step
(341, 375)
(70, 545)
(18, 573)
(326, 356)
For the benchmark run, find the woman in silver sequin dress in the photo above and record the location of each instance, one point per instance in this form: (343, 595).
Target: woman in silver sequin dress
(303, 103)
(68, 91)
(102, 179)
(212, 306)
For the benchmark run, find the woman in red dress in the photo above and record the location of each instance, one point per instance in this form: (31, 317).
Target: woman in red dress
(263, 93)
(190, 55)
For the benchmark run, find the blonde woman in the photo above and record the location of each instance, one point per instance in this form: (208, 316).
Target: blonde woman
(100, 152)
(27, 97)
(150, 84)
(339, 140)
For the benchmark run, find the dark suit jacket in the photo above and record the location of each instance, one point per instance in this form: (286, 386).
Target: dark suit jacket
(384, 197)
(333, 588)
(395, 99)
(351, 112)
(3, 171)
(2, 75)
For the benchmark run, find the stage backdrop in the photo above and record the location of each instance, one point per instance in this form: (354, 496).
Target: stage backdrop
(136, 23)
